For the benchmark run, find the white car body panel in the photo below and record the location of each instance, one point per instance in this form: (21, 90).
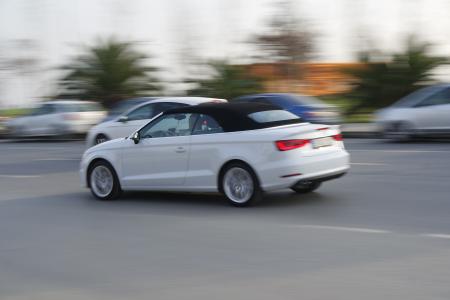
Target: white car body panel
(114, 129)
(192, 163)
(168, 158)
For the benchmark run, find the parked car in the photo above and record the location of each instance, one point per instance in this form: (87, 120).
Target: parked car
(57, 118)
(425, 112)
(310, 109)
(128, 122)
(125, 105)
(239, 149)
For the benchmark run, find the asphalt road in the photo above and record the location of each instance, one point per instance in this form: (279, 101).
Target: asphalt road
(381, 232)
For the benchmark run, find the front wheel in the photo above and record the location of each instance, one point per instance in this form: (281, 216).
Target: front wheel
(240, 185)
(306, 187)
(103, 181)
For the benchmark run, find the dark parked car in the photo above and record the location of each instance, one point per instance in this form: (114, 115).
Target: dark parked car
(310, 109)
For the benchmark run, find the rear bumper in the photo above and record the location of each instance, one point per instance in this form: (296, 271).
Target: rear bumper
(287, 173)
(322, 178)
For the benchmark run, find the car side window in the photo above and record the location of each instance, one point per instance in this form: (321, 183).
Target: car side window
(439, 98)
(37, 111)
(169, 126)
(141, 113)
(44, 109)
(66, 108)
(206, 125)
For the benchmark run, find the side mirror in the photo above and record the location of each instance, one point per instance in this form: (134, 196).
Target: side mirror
(136, 137)
(123, 119)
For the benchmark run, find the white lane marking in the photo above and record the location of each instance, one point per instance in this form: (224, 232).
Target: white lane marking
(56, 159)
(437, 235)
(340, 228)
(19, 176)
(398, 151)
(368, 164)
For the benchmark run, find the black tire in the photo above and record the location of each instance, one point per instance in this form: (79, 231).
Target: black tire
(398, 132)
(256, 192)
(306, 187)
(100, 138)
(114, 192)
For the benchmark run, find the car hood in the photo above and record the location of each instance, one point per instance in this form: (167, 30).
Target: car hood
(103, 124)
(108, 145)
(109, 118)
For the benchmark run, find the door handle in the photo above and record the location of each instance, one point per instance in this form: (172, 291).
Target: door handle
(180, 150)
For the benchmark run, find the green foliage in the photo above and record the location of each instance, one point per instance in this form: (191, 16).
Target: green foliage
(13, 112)
(108, 72)
(227, 82)
(381, 83)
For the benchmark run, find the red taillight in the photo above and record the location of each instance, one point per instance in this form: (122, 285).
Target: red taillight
(290, 144)
(338, 137)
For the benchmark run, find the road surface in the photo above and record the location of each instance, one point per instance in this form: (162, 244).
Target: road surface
(381, 232)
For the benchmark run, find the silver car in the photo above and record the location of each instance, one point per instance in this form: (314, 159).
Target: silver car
(57, 118)
(426, 112)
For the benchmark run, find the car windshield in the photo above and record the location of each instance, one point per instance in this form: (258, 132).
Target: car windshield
(413, 98)
(271, 116)
(124, 106)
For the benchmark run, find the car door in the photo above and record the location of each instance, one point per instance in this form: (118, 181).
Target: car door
(28, 123)
(205, 153)
(160, 158)
(433, 113)
(50, 120)
(38, 122)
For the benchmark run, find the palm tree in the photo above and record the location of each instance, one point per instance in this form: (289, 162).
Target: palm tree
(108, 72)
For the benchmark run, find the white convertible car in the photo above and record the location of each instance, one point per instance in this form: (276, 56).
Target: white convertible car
(238, 149)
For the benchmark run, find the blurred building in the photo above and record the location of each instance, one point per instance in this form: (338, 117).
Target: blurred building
(305, 78)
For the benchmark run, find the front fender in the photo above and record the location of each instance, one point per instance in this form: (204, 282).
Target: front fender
(113, 157)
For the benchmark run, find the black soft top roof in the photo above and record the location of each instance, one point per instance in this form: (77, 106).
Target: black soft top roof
(233, 116)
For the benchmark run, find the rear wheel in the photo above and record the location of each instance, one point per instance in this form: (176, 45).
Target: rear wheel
(306, 187)
(398, 132)
(100, 138)
(240, 185)
(103, 181)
